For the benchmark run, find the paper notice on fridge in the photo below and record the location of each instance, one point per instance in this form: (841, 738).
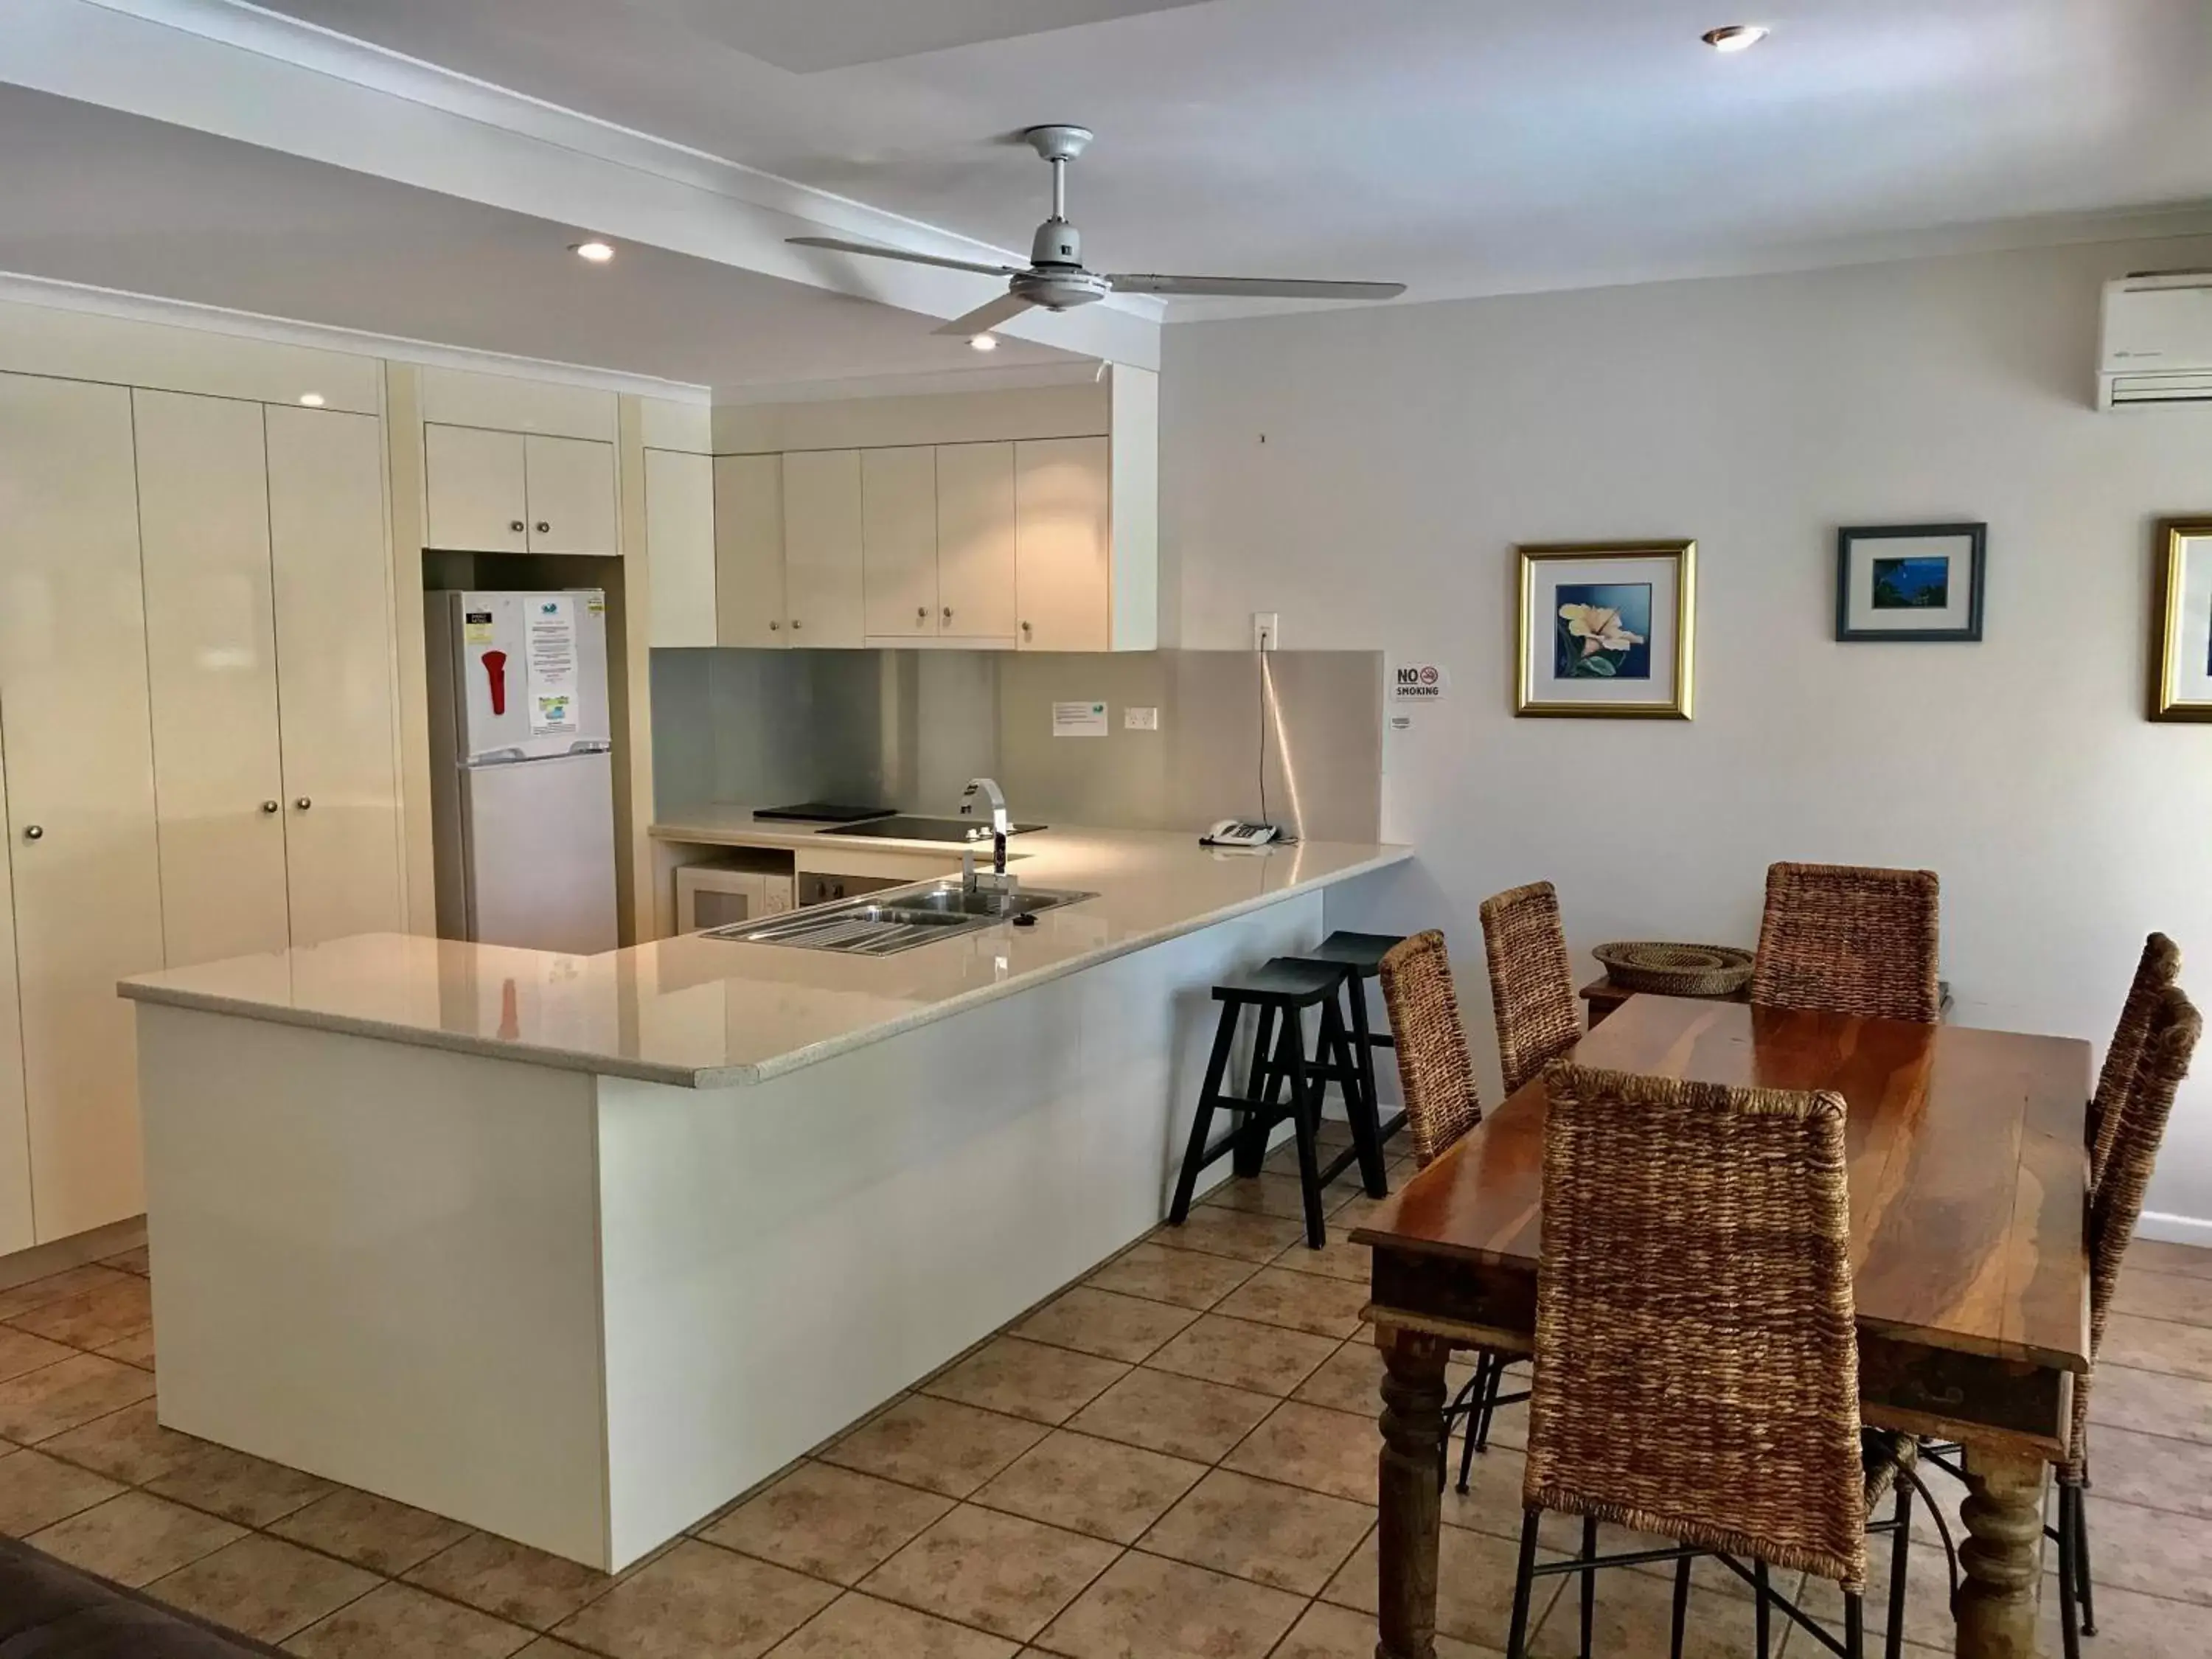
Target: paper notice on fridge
(550, 653)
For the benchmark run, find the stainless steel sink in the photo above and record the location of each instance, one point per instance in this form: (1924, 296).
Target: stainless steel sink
(885, 924)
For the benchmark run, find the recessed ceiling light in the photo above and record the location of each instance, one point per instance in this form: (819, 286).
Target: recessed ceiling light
(597, 252)
(312, 400)
(984, 342)
(1736, 36)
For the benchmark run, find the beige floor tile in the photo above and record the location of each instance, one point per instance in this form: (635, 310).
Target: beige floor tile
(1303, 1302)
(137, 1349)
(131, 1262)
(94, 1316)
(939, 1445)
(1491, 1503)
(859, 1626)
(1086, 1484)
(130, 1445)
(1474, 1586)
(251, 1491)
(2158, 1256)
(1313, 1447)
(1230, 1233)
(370, 1531)
(1338, 1259)
(21, 1351)
(1275, 1535)
(831, 1523)
(2151, 1551)
(1331, 1632)
(2163, 1296)
(1265, 1359)
(1146, 1607)
(55, 1398)
(264, 1587)
(36, 1491)
(2147, 1401)
(697, 1600)
(1124, 1327)
(397, 1621)
(1180, 1415)
(1350, 1379)
(2158, 1344)
(1634, 1614)
(1189, 1279)
(1269, 1192)
(19, 1299)
(996, 1572)
(1926, 1596)
(135, 1539)
(2132, 1625)
(546, 1647)
(1027, 1379)
(2126, 1468)
(510, 1581)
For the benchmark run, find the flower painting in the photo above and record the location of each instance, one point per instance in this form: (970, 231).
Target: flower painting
(1603, 631)
(1915, 584)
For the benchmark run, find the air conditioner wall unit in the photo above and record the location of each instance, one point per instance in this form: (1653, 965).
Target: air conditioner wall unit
(2156, 343)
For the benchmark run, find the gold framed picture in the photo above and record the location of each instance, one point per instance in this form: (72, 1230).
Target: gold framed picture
(1606, 628)
(2181, 636)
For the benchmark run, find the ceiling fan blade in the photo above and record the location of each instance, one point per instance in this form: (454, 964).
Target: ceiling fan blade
(874, 252)
(1279, 288)
(984, 319)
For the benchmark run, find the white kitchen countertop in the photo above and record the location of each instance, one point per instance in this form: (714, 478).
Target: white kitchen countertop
(704, 1013)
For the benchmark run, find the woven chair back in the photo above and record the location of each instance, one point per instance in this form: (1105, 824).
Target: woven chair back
(2157, 969)
(1532, 985)
(1849, 940)
(1434, 1070)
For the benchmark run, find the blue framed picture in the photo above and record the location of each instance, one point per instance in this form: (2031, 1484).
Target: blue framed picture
(1921, 582)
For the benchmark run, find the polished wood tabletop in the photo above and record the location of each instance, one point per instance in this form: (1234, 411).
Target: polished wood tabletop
(1969, 1180)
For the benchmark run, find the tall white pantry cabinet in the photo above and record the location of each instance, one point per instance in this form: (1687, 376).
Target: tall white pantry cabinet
(197, 743)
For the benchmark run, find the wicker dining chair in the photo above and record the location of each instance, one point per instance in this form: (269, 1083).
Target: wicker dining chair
(2159, 966)
(1532, 985)
(1436, 1077)
(1849, 940)
(1697, 1363)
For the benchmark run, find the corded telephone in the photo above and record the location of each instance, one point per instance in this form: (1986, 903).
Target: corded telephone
(1233, 832)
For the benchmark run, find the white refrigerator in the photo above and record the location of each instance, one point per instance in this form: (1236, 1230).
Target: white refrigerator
(522, 769)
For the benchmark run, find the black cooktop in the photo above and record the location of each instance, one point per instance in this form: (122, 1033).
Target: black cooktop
(904, 827)
(821, 811)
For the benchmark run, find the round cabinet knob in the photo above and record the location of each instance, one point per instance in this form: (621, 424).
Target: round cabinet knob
(516, 526)
(303, 802)
(948, 613)
(1025, 628)
(269, 805)
(921, 613)
(542, 526)
(773, 626)
(794, 624)
(34, 832)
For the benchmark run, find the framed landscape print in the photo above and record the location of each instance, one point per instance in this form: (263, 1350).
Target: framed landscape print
(1909, 581)
(1606, 628)
(2181, 641)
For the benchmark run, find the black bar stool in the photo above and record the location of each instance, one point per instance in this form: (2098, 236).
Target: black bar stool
(1282, 990)
(1361, 956)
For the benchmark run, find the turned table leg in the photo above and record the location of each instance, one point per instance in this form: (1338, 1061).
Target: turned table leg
(2002, 1555)
(1405, 1488)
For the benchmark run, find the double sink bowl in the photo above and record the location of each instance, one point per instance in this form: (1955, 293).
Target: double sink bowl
(885, 924)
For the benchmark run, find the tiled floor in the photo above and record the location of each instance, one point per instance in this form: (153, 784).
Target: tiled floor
(1175, 1458)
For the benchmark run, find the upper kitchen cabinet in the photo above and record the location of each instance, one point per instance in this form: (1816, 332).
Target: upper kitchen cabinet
(976, 543)
(822, 543)
(16, 1227)
(749, 587)
(518, 492)
(898, 543)
(571, 487)
(679, 546)
(1063, 544)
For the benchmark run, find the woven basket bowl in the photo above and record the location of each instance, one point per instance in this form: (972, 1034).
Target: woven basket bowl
(1675, 970)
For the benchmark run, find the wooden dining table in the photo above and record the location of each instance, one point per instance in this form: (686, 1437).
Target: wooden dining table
(1968, 1185)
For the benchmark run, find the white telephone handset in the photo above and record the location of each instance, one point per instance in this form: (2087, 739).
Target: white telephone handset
(1234, 832)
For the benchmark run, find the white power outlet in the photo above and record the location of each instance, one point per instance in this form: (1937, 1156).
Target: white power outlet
(1266, 634)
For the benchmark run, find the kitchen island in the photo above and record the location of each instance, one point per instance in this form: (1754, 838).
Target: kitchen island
(577, 1248)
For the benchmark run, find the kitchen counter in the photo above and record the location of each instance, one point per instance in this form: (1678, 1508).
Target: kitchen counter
(702, 1012)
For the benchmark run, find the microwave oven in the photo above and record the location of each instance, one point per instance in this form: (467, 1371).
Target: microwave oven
(709, 895)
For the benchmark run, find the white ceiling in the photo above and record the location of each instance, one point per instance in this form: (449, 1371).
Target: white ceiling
(116, 201)
(1463, 146)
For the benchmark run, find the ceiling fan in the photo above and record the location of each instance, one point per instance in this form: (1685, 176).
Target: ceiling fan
(1055, 277)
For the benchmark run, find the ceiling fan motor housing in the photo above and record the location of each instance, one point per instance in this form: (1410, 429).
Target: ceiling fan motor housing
(1059, 287)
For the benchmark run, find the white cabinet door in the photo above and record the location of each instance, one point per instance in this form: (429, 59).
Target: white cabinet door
(74, 725)
(679, 546)
(975, 541)
(749, 599)
(477, 501)
(15, 1230)
(571, 490)
(212, 669)
(899, 542)
(1063, 544)
(822, 547)
(335, 695)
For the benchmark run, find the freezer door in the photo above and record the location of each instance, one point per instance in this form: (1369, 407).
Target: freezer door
(532, 671)
(539, 843)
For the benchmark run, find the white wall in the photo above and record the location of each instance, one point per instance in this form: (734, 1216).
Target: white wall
(1406, 449)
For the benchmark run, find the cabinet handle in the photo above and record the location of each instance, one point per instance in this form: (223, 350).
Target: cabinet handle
(542, 526)
(773, 626)
(948, 613)
(269, 805)
(516, 526)
(921, 613)
(34, 832)
(303, 802)
(794, 624)
(1025, 628)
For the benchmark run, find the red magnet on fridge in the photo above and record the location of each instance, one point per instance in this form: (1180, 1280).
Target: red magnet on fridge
(494, 664)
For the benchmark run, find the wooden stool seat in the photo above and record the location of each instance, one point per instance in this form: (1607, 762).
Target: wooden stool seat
(1285, 982)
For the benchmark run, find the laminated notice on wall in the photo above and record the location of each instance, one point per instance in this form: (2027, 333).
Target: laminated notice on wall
(1078, 720)
(550, 653)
